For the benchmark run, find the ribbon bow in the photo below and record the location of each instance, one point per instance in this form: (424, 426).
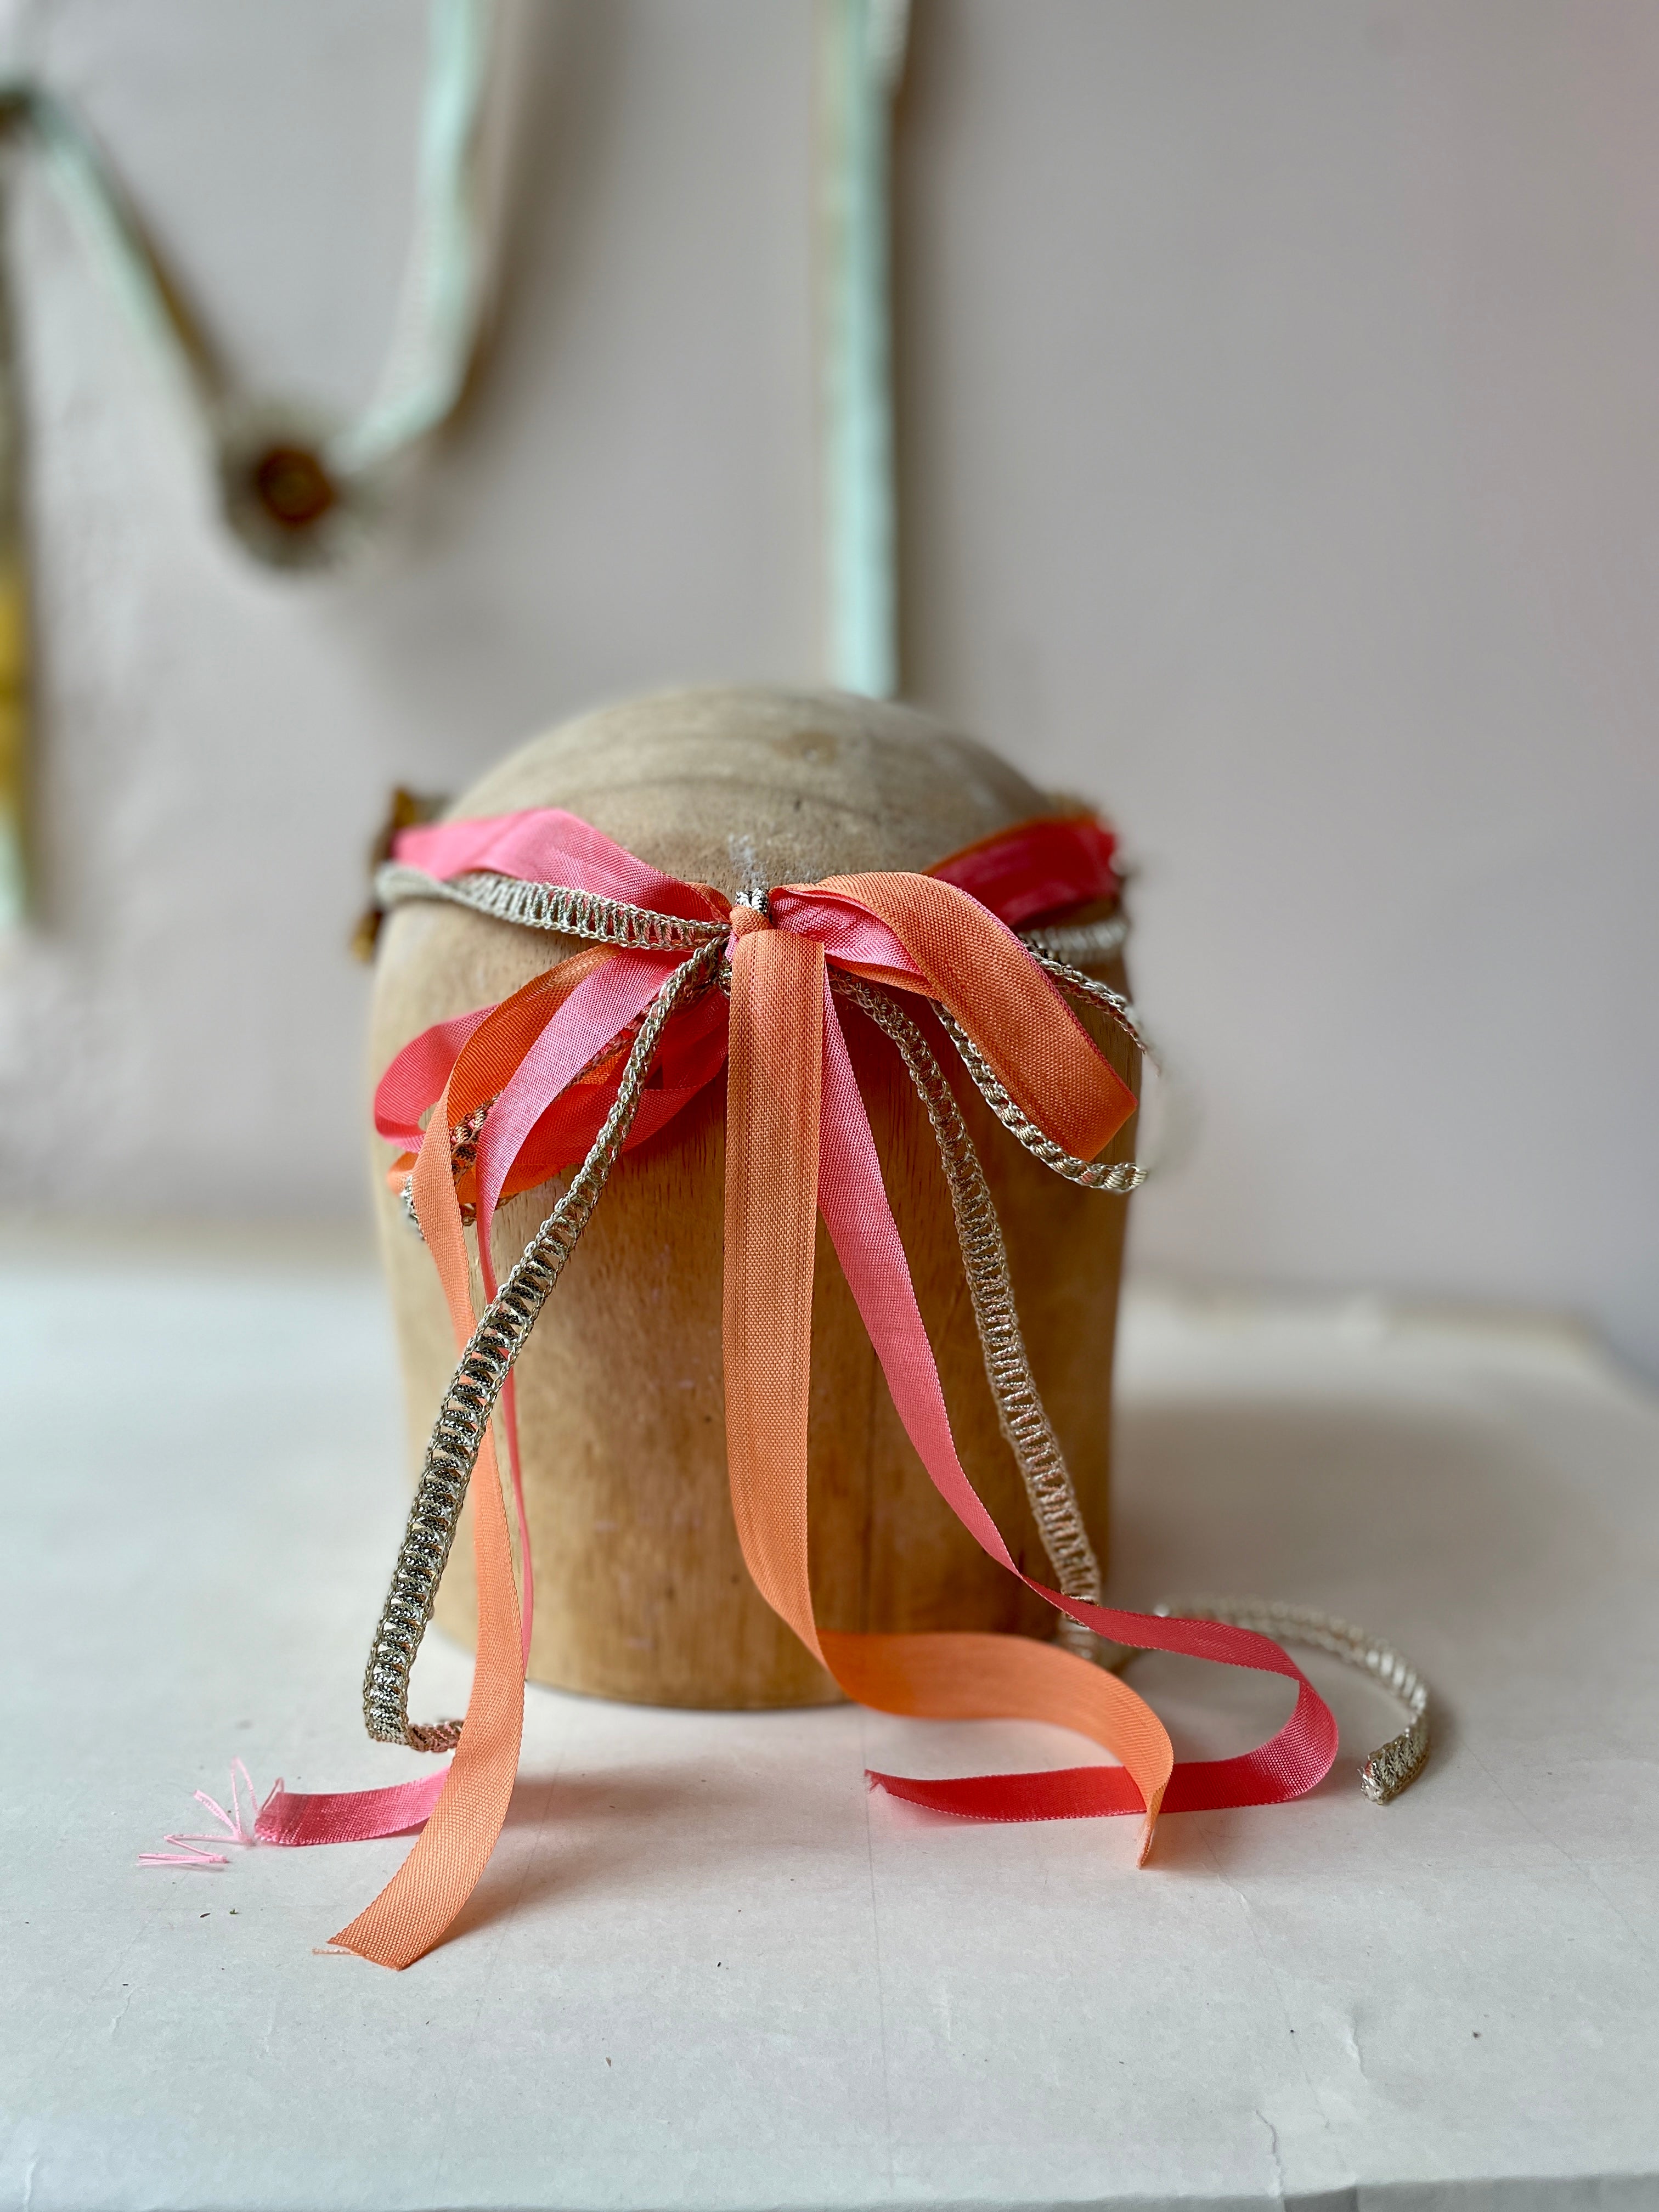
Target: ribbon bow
(597, 1054)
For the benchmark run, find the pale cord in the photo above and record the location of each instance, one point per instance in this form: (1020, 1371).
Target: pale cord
(446, 277)
(861, 47)
(1395, 1765)
(16, 705)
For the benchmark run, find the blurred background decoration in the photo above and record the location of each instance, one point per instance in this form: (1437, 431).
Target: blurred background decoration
(1274, 462)
(298, 489)
(860, 66)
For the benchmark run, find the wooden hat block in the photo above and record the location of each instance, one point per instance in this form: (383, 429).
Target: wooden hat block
(641, 1589)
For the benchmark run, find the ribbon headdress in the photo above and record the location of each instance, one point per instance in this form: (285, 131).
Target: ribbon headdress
(678, 979)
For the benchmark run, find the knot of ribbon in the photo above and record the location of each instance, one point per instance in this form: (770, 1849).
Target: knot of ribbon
(596, 1054)
(745, 918)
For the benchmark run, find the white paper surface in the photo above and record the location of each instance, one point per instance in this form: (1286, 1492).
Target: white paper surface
(707, 1967)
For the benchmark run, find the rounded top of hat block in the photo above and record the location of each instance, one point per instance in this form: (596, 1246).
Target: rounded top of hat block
(724, 785)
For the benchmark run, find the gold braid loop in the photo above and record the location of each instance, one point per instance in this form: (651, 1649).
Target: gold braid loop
(1118, 1177)
(1395, 1765)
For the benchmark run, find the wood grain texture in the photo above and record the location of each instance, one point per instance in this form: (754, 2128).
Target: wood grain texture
(640, 1590)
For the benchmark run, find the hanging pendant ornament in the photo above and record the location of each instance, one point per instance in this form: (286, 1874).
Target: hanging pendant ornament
(298, 491)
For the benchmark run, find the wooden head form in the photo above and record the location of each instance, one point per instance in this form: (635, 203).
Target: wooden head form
(642, 1592)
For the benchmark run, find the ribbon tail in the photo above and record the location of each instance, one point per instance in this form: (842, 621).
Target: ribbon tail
(871, 1254)
(961, 1676)
(347, 1816)
(788, 1082)
(418, 1904)
(972, 1676)
(773, 1084)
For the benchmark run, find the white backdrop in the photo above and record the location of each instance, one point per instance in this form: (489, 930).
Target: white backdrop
(1280, 465)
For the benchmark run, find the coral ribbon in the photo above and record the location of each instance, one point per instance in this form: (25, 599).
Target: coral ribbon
(799, 1144)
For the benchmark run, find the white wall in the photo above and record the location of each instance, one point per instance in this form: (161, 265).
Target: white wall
(1279, 464)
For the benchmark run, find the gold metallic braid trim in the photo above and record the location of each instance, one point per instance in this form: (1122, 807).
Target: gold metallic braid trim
(1395, 1765)
(1021, 1415)
(551, 907)
(1077, 986)
(1118, 1178)
(463, 1417)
